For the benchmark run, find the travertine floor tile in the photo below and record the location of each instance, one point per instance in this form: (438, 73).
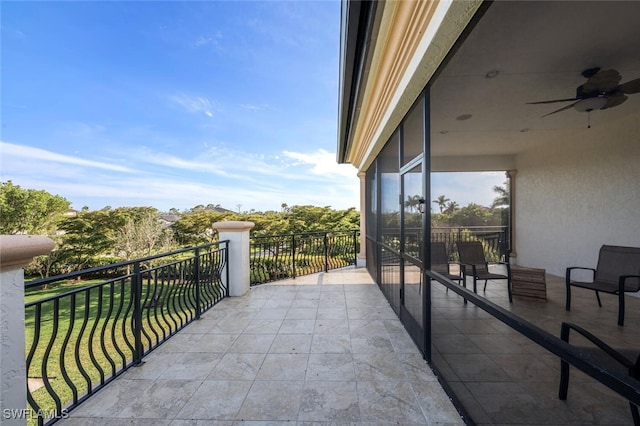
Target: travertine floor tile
(329, 401)
(272, 400)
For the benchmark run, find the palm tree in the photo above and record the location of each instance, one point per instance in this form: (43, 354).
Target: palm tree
(502, 200)
(412, 203)
(441, 202)
(451, 207)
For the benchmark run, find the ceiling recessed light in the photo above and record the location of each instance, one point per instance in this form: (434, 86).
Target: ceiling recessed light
(463, 117)
(492, 74)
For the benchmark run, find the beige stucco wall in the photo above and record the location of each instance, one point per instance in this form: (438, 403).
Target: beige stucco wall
(577, 192)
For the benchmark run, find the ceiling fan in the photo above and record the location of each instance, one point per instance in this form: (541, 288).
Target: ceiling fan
(601, 91)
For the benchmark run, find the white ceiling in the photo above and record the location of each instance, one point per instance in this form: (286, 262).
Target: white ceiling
(540, 49)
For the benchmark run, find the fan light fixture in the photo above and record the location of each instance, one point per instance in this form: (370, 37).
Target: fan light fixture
(590, 104)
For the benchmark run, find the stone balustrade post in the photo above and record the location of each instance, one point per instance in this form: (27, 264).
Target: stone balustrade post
(238, 264)
(16, 251)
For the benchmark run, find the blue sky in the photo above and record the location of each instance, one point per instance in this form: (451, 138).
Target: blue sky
(175, 104)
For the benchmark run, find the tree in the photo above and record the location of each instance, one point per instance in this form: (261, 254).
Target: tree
(142, 236)
(45, 265)
(29, 211)
(441, 201)
(196, 227)
(502, 202)
(413, 202)
(471, 215)
(452, 207)
(86, 237)
(503, 199)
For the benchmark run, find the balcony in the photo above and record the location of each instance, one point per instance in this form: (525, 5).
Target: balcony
(321, 348)
(329, 348)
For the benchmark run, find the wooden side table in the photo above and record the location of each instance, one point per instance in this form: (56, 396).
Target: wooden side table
(528, 282)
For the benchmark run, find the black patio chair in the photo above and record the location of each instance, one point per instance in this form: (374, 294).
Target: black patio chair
(471, 254)
(441, 264)
(617, 272)
(618, 360)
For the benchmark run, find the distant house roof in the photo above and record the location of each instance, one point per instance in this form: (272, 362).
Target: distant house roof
(169, 217)
(217, 209)
(167, 220)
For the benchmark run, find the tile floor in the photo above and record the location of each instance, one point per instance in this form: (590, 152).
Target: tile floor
(325, 349)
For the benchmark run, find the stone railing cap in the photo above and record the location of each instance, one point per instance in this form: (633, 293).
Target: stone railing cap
(17, 251)
(233, 225)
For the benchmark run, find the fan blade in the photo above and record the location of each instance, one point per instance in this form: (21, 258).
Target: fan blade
(553, 101)
(615, 100)
(602, 81)
(562, 109)
(631, 87)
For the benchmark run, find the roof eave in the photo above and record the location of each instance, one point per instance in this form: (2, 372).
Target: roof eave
(355, 33)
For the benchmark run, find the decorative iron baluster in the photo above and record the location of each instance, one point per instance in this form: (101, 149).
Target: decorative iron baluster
(107, 318)
(78, 345)
(65, 345)
(196, 279)
(114, 324)
(34, 344)
(92, 356)
(137, 313)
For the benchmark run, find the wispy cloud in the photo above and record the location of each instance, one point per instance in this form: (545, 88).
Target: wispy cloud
(9, 151)
(173, 162)
(194, 104)
(252, 107)
(219, 175)
(203, 41)
(322, 162)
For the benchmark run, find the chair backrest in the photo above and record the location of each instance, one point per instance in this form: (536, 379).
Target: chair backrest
(614, 261)
(439, 253)
(472, 252)
(439, 257)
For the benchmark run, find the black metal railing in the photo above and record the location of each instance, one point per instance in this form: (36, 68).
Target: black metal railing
(274, 257)
(86, 335)
(493, 238)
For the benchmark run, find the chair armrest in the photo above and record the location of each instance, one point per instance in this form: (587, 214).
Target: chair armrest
(471, 265)
(507, 264)
(564, 335)
(570, 270)
(463, 269)
(454, 263)
(621, 282)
